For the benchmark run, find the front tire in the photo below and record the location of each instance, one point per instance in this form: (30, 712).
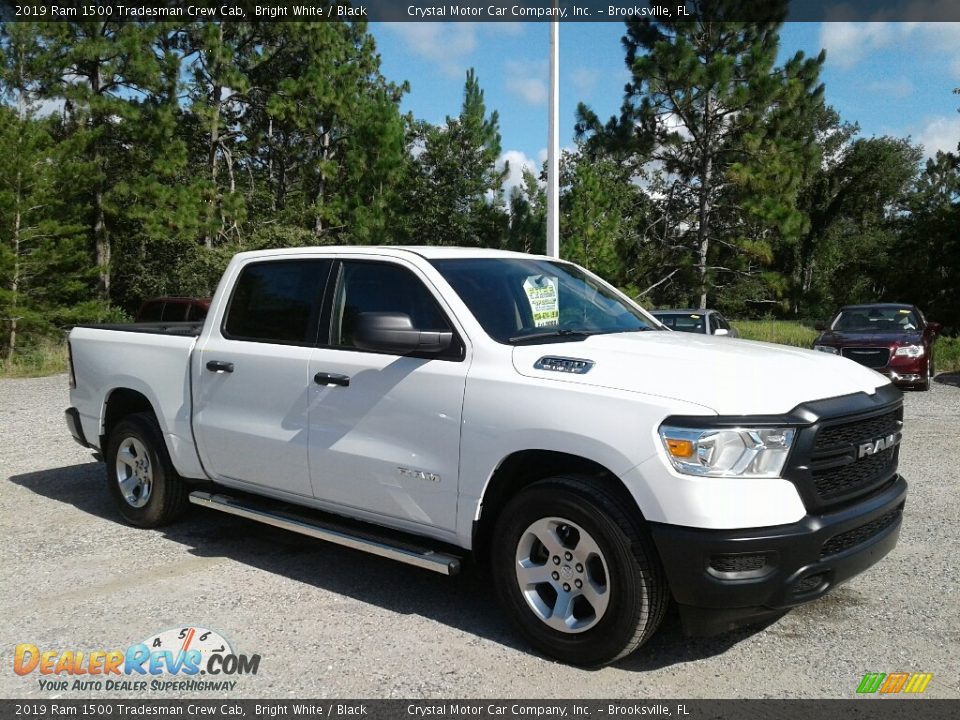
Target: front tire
(580, 578)
(141, 479)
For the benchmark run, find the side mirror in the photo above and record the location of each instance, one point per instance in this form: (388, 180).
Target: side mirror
(819, 326)
(934, 328)
(394, 333)
(721, 332)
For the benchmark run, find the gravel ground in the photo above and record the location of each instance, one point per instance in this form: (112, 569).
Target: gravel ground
(330, 622)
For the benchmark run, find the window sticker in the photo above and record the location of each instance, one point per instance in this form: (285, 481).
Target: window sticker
(544, 299)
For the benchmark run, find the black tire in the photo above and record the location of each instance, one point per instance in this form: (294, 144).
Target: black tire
(165, 496)
(635, 589)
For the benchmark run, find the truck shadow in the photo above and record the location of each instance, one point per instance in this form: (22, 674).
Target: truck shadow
(465, 602)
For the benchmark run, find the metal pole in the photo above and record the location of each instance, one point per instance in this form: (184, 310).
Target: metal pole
(553, 146)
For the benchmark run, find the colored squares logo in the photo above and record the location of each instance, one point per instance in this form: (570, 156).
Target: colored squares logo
(894, 683)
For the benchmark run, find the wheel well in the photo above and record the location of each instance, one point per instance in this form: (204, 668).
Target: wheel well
(121, 403)
(526, 467)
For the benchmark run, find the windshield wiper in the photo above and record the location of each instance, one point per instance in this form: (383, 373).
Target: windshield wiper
(547, 334)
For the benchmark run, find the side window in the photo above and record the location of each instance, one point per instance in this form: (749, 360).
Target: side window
(151, 312)
(196, 312)
(173, 312)
(277, 302)
(720, 322)
(381, 287)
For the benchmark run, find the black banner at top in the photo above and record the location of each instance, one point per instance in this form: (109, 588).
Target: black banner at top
(480, 10)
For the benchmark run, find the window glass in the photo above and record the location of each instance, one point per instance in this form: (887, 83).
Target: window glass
(381, 287)
(277, 301)
(876, 319)
(683, 322)
(173, 312)
(151, 312)
(196, 312)
(516, 298)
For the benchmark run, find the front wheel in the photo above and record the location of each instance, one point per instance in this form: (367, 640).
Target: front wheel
(579, 577)
(141, 479)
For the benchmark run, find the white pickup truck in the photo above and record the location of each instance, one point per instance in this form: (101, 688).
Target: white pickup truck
(425, 403)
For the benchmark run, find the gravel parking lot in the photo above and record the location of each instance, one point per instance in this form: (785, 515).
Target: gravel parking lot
(331, 622)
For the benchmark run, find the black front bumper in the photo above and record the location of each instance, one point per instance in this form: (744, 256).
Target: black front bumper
(724, 579)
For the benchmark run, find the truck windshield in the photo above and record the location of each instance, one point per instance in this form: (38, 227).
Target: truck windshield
(530, 300)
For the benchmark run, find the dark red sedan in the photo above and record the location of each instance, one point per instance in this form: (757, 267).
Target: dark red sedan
(892, 338)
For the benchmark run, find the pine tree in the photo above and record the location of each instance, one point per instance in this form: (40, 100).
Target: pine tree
(705, 103)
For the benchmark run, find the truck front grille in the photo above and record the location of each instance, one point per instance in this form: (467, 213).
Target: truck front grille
(848, 478)
(826, 465)
(872, 357)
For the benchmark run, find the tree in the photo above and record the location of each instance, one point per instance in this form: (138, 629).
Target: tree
(456, 195)
(706, 104)
(94, 68)
(43, 273)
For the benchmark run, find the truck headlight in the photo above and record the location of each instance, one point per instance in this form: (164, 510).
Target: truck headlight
(912, 351)
(728, 452)
(826, 349)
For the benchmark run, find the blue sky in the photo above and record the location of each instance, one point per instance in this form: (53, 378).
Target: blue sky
(891, 78)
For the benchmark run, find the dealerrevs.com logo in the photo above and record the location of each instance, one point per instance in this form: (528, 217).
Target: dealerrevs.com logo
(185, 659)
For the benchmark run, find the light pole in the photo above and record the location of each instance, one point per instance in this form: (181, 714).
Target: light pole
(553, 145)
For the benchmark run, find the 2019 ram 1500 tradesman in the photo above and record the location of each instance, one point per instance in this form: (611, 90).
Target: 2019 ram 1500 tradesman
(421, 403)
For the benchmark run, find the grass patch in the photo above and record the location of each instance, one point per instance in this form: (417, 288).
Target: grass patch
(946, 354)
(46, 358)
(782, 332)
(946, 350)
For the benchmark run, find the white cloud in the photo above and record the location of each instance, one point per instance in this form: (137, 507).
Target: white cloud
(449, 44)
(584, 80)
(847, 43)
(897, 88)
(939, 133)
(527, 80)
(518, 161)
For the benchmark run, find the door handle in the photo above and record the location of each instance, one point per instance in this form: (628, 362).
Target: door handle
(332, 379)
(220, 366)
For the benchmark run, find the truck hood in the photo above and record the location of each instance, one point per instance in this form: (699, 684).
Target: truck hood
(731, 377)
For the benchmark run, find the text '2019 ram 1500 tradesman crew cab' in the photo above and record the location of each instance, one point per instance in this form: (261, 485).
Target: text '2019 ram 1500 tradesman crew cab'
(422, 403)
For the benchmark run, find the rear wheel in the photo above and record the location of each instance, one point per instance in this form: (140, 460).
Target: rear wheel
(579, 578)
(140, 477)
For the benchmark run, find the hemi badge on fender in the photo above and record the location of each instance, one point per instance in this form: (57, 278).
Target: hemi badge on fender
(878, 445)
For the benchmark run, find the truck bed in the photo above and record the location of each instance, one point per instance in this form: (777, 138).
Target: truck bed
(185, 329)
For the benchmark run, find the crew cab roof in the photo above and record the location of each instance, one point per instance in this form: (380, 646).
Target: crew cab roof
(428, 252)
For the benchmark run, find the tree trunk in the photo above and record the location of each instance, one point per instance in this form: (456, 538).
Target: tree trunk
(101, 235)
(703, 227)
(321, 185)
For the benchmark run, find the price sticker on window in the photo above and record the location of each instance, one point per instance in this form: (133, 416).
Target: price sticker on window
(544, 299)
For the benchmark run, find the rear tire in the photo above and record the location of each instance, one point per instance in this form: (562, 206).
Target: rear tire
(141, 479)
(579, 577)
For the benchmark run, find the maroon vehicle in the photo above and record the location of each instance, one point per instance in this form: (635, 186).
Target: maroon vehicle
(892, 338)
(173, 309)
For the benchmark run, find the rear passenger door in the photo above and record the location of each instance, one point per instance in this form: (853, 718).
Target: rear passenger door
(251, 382)
(385, 442)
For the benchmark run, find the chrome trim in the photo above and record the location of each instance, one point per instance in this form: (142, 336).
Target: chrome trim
(428, 559)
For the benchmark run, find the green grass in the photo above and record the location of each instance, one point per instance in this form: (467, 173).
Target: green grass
(783, 332)
(48, 357)
(946, 350)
